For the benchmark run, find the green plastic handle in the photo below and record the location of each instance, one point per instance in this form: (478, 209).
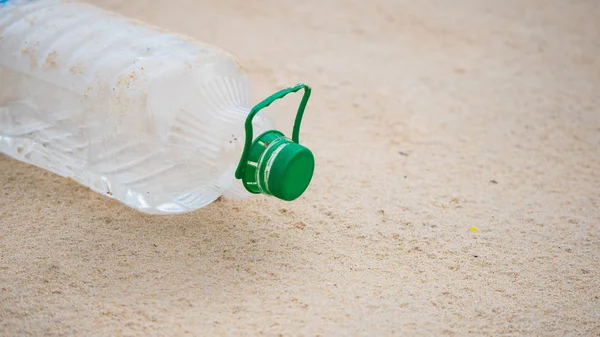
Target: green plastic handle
(239, 172)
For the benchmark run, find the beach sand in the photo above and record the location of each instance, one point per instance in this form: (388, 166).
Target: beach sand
(457, 188)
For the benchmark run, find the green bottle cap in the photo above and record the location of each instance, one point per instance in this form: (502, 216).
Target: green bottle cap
(274, 164)
(277, 166)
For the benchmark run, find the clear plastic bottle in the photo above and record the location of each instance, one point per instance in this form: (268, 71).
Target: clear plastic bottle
(153, 119)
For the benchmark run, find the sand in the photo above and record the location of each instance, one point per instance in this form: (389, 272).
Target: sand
(427, 119)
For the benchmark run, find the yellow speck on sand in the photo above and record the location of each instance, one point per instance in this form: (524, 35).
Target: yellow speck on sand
(474, 229)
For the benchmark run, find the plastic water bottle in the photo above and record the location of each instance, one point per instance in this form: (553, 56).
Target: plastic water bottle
(156, 120)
